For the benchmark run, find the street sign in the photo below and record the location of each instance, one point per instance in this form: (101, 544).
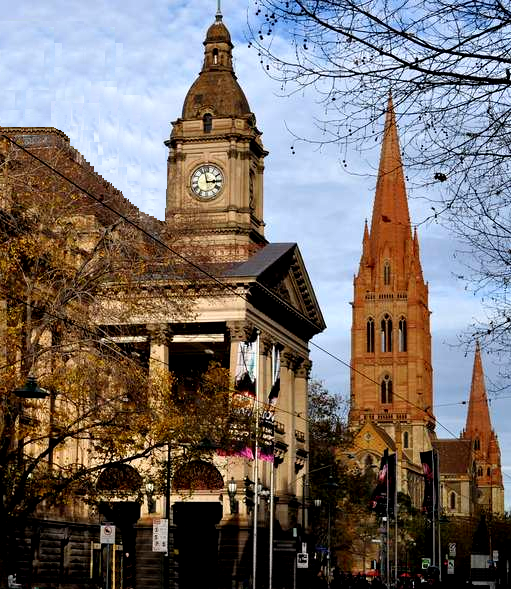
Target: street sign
(426, 562)
(160, 535)
(107, 534)
(495, 556)
(452, 549)
(450, 567)
(302, 560)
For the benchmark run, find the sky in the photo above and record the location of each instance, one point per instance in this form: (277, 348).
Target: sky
(113, 74)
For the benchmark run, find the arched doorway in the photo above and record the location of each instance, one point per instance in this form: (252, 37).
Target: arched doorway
(117, 480)
(196, 534)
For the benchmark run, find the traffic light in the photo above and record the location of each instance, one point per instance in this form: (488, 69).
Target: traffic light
(249, 493)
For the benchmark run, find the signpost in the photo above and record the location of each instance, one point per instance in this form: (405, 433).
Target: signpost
(107, 536)
(302, 560)
(160, 535)
(450, 567)
(426, 562)
(452, 549)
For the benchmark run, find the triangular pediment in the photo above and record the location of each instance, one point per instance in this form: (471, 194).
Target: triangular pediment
(371, 440)
(278, 270)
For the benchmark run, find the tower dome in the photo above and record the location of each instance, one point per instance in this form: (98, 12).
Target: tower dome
(216, 90)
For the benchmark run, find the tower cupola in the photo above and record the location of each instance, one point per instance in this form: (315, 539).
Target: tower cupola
(216, 89)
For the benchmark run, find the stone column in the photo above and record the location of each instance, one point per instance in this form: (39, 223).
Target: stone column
(159, 337)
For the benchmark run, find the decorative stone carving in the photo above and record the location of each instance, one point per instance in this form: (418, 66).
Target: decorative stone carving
(159, 333)
(304, 369)
(240, 331)
(290, 360)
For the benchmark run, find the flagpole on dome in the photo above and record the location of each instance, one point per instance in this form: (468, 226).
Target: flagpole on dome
(218, 11)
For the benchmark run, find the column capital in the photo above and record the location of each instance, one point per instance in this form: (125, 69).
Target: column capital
(304, 368)
(290, 359)
(267, 343)
(240, 331)
(159, 333)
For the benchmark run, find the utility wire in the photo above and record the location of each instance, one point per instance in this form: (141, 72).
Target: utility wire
(202, 270)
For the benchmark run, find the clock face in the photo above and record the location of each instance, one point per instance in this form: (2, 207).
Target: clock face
(207, 181)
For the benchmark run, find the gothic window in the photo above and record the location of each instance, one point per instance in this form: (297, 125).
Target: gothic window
(386, 333)
(452, 500)
(386, 273)
(215, 56)
(479, 471)
(370, 335)
(406, 440)
(207, 122)
(477, 444)
(488, 472)
(386, 389)
(402, 335)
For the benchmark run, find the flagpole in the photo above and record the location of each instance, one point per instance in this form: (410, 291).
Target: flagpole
(395, 520)
(272, 492)
(256, 467)
(433, 529)
(387, 555)
(439, 506)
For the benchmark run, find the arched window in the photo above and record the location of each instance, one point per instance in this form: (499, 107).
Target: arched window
(488, 472)
(402, 344)
(452, 500)
(406, 440)
(386, 389)
(215, 56)
(386, 273)
(368, 461)
(477, 444)
(207, 122)
(370, 335)
(386, 333)
(479, 471)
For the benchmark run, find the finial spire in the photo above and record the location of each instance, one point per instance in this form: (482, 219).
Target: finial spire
(218, 10)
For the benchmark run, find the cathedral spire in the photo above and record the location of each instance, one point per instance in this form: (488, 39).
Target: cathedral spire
(484, 442)
(390, 224)
(478, 424)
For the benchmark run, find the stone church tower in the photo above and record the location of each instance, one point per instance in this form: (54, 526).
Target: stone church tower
(391, 375)
(485, 445)
(216, 159)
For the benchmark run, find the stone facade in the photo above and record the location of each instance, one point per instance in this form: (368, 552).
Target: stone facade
(215, 213)
(391, 376)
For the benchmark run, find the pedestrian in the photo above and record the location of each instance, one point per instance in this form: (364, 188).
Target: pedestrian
(320, 581)
(13, 583)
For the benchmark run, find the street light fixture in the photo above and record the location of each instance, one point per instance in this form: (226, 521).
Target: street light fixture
(151, 503)
(232, 488)
(30, 390)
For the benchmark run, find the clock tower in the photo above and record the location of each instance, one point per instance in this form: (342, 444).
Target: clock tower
(216, 160)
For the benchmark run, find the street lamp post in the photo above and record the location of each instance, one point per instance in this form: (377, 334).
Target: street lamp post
(168, 476)
(232, 489)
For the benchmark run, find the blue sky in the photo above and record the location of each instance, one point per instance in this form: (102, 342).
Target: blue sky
(112, 75)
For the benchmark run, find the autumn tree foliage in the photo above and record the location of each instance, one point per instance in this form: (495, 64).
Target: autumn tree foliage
(448, 67)
(75, 269)
(344, 491)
